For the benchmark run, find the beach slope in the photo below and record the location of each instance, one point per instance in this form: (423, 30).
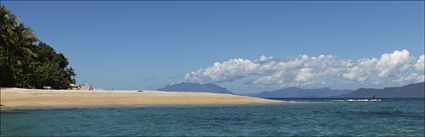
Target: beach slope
(16, 97)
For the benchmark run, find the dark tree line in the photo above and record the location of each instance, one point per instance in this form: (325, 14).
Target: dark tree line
(27, 62)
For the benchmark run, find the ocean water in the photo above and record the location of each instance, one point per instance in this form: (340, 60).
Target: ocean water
(299, 117)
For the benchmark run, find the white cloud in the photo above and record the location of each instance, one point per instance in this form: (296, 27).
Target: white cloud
(391, 69)
(226, 71)
(398, 61)
(304, 74)
(419, 66)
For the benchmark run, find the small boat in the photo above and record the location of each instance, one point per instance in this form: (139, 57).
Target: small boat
(375, 98)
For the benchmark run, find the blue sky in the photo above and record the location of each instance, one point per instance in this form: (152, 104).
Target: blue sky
(139, 45)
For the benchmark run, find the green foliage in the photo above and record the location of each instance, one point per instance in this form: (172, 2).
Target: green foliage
(27, 62)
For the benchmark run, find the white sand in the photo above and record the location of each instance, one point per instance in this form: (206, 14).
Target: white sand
(16, 97)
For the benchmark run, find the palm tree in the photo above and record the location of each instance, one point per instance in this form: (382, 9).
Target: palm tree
(27, 62)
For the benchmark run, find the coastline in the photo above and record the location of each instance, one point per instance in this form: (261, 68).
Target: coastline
(17, 97)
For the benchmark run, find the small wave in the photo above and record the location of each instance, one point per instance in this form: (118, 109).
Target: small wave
(358, 100)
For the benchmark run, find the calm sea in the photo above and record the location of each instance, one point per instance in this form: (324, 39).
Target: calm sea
(300, 117)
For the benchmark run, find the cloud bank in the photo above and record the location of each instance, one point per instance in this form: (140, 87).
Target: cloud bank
(391, 69)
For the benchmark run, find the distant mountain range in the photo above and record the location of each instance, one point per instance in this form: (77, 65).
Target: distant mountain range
(294, 92)
(408, 91)
(195, 87)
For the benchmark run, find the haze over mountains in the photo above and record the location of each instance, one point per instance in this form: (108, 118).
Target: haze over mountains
(409, 91)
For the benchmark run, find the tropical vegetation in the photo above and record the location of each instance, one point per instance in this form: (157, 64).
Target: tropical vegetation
(27, 62)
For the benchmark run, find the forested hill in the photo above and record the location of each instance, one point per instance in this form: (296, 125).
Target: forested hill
(195, 87)
(407, 91)
(26, 61)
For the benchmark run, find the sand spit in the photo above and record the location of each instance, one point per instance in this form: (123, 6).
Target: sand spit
(16, 97)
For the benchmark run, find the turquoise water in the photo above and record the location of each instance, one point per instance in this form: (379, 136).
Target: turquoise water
(304, 117)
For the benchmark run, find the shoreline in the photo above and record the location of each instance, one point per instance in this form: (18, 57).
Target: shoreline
(6, 108)
(18, 98)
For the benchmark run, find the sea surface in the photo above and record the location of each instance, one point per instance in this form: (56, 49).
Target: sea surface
(299, 117)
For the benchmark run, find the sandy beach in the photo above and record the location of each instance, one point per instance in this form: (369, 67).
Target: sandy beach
(16, 97)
